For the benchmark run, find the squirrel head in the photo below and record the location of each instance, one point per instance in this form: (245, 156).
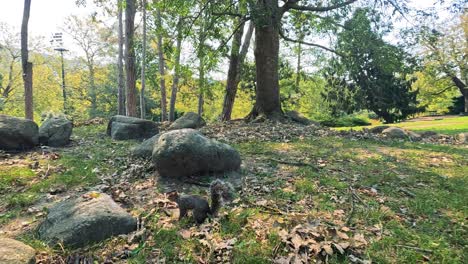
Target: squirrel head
(172, 196)
(223, 190)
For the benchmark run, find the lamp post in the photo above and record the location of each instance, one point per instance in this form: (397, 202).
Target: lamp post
(62, 50)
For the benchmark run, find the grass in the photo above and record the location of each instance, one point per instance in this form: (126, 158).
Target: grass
(449, 126)
(22, 186)
(428, 223)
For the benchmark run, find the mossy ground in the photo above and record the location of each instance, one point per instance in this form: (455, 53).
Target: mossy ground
(413, 194)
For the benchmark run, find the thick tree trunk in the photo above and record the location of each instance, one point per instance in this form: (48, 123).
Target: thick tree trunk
(28, 91)
(463, 89)
(121, 88)
(143, 66)
(266, 62)
(235, 67)
(175, 82)
(26, 65)
(130, 58)
(162, 70)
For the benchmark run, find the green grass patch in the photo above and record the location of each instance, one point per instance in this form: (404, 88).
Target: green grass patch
(448, 126)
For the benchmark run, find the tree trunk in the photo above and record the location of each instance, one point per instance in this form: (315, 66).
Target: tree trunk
(162, 69)
(130, 58)
(143, 66)
(121, 88)
(266, 62)
(175, 82)
(201, 66)
(26, 65)
(235, 64)
(201, 85)
(298, 67)
(92, 90)
(463, 89)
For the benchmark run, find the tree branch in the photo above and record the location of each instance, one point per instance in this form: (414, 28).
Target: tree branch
(291, 4)
(310, 44)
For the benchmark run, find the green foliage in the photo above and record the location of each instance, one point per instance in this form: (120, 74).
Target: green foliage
(373, 73)
(346, 121)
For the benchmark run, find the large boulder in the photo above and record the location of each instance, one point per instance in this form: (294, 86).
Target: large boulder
(15, 252)
(55, 132)
(126, 127)
(87, 219)
(17, 133)
(145, 149)
(188, 120)
(299, 118)
(187, 152)
(395, 133)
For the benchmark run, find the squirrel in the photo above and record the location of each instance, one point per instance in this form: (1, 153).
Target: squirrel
(220, 192)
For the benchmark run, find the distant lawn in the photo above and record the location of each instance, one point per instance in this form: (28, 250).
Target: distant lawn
(443, 125)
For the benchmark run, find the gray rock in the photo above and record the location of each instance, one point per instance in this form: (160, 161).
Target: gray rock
(429, 134)
(55, 132)
(187, 152)
(188, 120)
(17, 133)
(395, 132)
(87, 219)
(16, 252)
(378, 129)
(145, 149)
(299, 118)
(462, 137)
(413, 135)
(125, 127)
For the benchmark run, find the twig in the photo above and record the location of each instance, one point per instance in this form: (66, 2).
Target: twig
(416, 248)
(407, 192)
(351, 213)
(294, 163)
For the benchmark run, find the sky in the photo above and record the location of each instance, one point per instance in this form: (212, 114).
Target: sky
(47, 16)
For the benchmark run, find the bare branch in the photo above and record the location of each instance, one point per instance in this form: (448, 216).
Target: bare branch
(310, 44)
(292, 4)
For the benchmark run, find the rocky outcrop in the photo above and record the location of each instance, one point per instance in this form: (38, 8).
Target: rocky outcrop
(16, 252)
(188, 120)
(145, 149)
(55, 132)
(87, 219)
(187, 152)
(125, 128)
(17, 133)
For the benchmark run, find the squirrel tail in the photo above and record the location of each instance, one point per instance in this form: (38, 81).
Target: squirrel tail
(220, 192)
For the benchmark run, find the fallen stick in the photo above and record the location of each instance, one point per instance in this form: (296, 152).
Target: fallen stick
(405, 191)
(416, 248)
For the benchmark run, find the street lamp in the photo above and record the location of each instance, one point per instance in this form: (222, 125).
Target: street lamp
(57, 37)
